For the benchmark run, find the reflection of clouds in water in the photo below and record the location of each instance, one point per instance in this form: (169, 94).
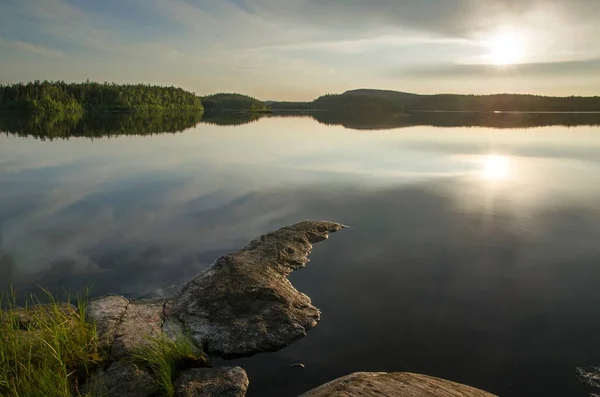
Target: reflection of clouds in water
(210, 189)
(138, 245)
(417, 278)
(470, 274)
(452, 272)
(138, 239)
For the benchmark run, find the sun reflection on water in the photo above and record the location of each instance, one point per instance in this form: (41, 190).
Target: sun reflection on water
(496, 167)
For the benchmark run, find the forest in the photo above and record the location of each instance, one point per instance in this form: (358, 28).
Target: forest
(233, 102)
(402, 102)
(76, 97)
(91, 96)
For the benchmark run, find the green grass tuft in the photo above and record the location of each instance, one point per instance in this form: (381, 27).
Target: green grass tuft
(164, 357)
(45, 349)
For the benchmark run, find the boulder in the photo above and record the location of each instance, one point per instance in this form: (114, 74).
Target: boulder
(209, 382)
(400, 384)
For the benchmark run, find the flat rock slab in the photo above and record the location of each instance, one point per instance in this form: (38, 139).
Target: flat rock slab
(400, 384)
(244, 304)
(212, 382)
(107, 313)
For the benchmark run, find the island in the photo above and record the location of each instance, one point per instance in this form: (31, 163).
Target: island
(59, 96)
(77, 97)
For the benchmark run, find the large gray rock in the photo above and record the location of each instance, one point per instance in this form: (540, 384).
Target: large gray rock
(401, 384)
(209, 382)
(121, 379)
(244, 304)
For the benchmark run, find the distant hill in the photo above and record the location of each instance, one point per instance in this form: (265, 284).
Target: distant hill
(403, 102)
(233, 102)
(385, 94)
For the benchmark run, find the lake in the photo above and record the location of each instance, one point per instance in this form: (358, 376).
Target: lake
(473, 250)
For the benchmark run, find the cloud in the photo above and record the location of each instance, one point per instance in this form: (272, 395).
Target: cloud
(255, 46)
(572, 68)
(31, 48)
(447, 17)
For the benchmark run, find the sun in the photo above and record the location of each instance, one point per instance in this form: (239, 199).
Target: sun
(496, 167)
(505, 48)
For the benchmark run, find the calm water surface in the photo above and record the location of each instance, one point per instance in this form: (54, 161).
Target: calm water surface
(473, 253)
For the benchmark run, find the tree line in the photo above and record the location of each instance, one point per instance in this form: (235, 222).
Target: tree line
(76, 97)
(395, 101)
(233, 102)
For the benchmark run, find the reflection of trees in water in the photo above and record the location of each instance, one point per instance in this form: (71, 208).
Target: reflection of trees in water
(374, 120)
(105, 124)
(96, 124)
(231, 118)
(64, 125)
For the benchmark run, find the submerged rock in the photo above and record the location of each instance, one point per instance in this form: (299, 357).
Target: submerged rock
(244, 304)
(382, 384)
(209, 382)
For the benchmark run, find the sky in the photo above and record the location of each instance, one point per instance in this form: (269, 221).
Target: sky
(300, 49)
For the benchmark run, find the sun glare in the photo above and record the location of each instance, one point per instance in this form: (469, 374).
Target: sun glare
(505, 48)
(496, 167)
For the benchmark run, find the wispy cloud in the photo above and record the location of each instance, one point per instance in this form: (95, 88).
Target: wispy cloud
(31, 48)
(572, 68)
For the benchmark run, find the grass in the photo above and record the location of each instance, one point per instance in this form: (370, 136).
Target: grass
(45, 349)
(164, 357)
